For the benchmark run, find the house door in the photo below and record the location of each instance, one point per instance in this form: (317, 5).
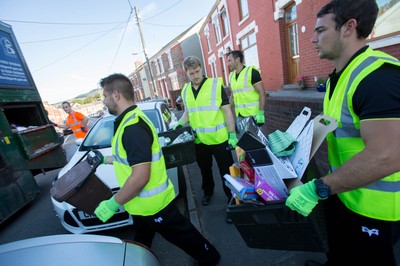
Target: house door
(292, 41)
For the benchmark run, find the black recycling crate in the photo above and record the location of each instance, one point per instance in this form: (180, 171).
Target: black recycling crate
(275, 226)
(181, 153)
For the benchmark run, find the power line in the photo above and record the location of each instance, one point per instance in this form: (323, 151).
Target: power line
(60, 23)
(163, 11)
(75, 51)
(163, 25)
(119, 46)
(68, 37)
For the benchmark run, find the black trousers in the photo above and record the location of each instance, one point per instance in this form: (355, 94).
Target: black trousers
(204, 157)
(354, 239)
(178, 230)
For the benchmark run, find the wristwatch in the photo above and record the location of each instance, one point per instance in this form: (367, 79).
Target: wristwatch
(323, 191)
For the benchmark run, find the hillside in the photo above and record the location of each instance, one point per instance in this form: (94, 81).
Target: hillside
(87, 97)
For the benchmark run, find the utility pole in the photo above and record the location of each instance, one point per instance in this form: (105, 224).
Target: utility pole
(144, 50)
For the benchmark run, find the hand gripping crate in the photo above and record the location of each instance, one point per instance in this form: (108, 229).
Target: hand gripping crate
(81, 188)
(180, 153)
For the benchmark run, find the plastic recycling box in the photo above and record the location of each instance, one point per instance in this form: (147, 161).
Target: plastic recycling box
(81, 188)
(178, 154)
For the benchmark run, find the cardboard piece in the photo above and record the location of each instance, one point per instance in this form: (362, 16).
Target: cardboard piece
(242, 188)
(269, 177)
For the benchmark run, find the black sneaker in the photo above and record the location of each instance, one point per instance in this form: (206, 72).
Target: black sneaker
(211, 258)
(206, 199)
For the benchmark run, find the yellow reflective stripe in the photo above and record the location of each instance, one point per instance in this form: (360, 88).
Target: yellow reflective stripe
(211, 129)
(154, 191)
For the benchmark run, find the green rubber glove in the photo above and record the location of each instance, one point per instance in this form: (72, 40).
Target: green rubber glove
(106, 209)
(178, 125)
(303, 198)
(260, 118)
(232, 139)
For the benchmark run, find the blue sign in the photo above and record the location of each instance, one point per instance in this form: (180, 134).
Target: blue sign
(12, 71)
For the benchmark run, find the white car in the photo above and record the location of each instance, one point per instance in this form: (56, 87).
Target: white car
(99, 138)
(72, 250)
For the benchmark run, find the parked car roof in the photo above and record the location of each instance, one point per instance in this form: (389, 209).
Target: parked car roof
(71, 250)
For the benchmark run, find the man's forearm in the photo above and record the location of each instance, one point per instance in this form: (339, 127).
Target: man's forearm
(229, 118)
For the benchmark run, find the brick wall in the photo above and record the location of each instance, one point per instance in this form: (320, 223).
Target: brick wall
(310, 64)
(281, 111)
(269, 43)
(393, 50)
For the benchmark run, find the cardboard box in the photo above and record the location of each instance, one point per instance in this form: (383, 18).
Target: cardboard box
(247, 169)
(309, 135)
(272, 171)
(273, 225)
(243, 189)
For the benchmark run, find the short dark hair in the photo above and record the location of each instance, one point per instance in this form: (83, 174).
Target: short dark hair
(237, 54)
(120, 83)
(191, 62)
(67, 103)
(364, 11)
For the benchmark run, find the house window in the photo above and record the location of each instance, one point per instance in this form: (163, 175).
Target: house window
(244, 9)
(290, 19)
(213, 67)
(207, 35)
(171, 65)
(160, 65)
(217, 28)
(225, 23)
(174, 82)
(248, 44)
(157, 67)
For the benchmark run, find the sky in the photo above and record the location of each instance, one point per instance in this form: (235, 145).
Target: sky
(70, 45)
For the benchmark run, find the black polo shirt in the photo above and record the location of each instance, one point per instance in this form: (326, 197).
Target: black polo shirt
(255, 75)
(225, 99)
(378, 94)
(136, 139)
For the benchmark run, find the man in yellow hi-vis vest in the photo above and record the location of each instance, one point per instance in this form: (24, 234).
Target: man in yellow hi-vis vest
(208, 111)
(146, 191)
(362, 190)
(248, 94)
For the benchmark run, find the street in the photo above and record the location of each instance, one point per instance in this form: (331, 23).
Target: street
(39, 219)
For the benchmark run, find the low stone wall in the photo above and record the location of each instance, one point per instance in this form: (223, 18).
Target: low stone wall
(281, 109)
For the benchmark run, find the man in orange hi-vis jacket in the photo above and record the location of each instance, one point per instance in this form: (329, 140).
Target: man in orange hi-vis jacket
(76, 121)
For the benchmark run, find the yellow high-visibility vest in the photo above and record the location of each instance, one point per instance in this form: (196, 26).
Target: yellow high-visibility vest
(205, 114)
(381, 199)
(159, 191)
(245, 97)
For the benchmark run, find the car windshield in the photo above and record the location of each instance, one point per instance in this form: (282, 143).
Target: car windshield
(100, 135)
(154, 116)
